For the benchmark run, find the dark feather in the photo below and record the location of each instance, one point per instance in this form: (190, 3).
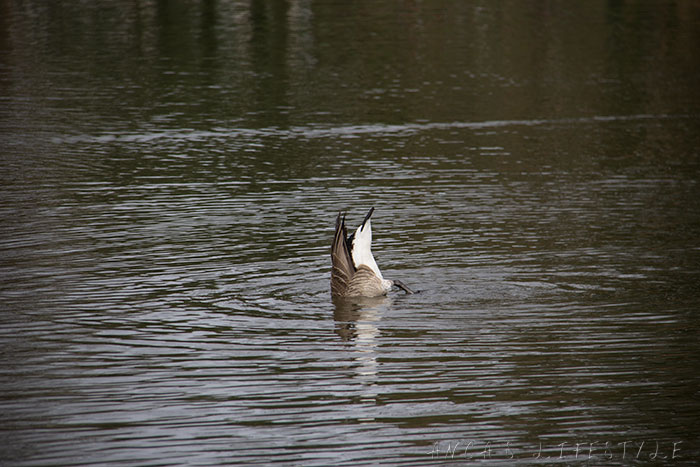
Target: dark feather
(343, 268)
(351, 238)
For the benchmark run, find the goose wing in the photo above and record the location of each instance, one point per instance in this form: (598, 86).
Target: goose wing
(343, 268)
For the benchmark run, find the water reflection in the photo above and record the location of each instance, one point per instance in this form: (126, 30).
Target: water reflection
(356, 321)
(348, 312)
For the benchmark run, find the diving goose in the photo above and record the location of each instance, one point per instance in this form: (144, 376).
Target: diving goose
(355, 272)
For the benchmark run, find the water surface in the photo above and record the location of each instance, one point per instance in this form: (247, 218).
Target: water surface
(170, 177)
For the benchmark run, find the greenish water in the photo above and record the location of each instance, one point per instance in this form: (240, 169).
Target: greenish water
(170, 173)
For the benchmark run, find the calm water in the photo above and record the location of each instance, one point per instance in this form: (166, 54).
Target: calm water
(170, 174)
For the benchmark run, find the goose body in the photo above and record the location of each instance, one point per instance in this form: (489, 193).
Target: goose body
(354, 271)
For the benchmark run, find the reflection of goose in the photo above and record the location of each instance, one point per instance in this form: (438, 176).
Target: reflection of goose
(355, 273)
(353, 315)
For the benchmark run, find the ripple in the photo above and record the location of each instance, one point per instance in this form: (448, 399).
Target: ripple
(320, 131)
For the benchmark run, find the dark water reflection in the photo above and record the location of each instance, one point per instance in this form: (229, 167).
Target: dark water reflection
(170, 175)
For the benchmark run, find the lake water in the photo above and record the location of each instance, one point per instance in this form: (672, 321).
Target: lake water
(170, 175)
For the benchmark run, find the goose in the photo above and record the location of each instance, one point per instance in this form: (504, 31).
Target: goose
(354, 271)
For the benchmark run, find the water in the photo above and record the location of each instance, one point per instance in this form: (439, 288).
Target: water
(171, 173)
